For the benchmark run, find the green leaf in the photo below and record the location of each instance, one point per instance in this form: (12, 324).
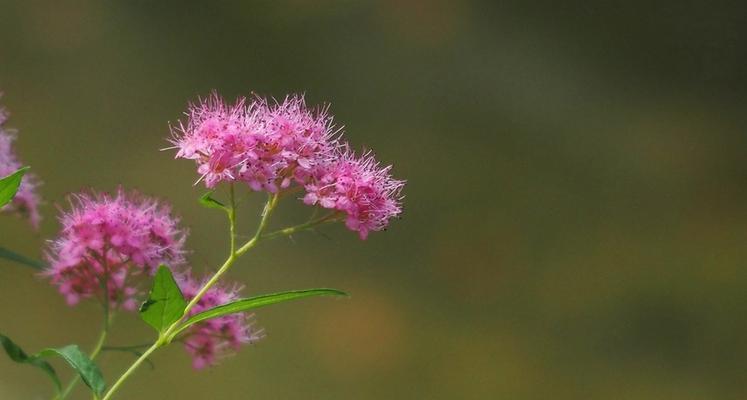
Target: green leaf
(18, 355)
(165, 304)
(206, 200)
(243, 305)
(80, 362)
(83, 365)
(13, 256)
(10, 184)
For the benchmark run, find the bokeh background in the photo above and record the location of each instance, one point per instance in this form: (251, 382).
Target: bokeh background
(576, 210)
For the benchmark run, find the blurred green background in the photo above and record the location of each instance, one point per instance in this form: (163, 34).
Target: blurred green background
(576, 210)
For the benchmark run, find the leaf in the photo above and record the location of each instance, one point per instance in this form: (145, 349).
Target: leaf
(13, 256)
(10, 184)
(80, 362)
(206, 200)
(18, 355)
(165, 304)
(83, 365)
(243, 305)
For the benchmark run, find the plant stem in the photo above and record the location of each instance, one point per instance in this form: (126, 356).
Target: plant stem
(94, 353)
(331, 217)
(132, 369)
(104, 329)
(232, 218)
(165, 338)
(272, 202)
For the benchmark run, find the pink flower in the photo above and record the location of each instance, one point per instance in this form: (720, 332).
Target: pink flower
(272, 145)
(358, 187)
(210, 340)
(112, 241)
(266, 145)
(26, 202)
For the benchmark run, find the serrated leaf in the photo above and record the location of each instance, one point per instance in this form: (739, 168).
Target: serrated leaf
(10, 184)
(83, 365)
(13, 256)
(18, 355)
(207, 200)
(165, 304)
(243, 305)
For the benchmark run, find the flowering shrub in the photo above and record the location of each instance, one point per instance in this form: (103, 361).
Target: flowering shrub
(127, 251)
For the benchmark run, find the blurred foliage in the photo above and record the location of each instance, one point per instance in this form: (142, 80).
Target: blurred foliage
(576, 210)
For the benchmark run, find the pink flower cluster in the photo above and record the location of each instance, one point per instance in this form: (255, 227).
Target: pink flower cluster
(266, 146)
(26, 202)
(272, 145)
(360, 188)
(210, 340)
(109, 242)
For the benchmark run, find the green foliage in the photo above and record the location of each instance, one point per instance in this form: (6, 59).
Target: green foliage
(13, 256)
(18, 355)
(80, 362)
(243, 305)
(83, 365)
(206, 200)
(165, 304)
(10, 184)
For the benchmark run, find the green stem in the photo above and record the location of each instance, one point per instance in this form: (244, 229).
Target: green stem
(232, 217)
(165, 337)
(94, 353)
(104, 330)
(272, 202)
(132, 369)
(126, 348)
(331, 217)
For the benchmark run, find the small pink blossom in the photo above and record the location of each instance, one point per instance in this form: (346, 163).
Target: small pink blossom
(358, 187)
(210, 340)
(114, 240)
(26, 201)
(267, 145)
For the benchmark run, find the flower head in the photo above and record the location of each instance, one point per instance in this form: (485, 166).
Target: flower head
(358, 187)
(26, 201)
(108, 242)
(266, 145)
(210, 340)
(271, 145)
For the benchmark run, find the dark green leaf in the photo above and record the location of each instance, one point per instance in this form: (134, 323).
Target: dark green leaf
(10, 184)
(165, 304)
(12, 256)
(255, 302)
(208, 201)
(83, 365)
(18, 355)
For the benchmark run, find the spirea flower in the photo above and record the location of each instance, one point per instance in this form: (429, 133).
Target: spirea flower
(272, 145)
(209, 341)
(111, 241)
(360, 188)
(26, 201)
(267, 145)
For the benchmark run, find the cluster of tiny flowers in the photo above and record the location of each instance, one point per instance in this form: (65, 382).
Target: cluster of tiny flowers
(267, 146)
(358, 187)
(26, 201)
(213, 339)
(272, 145)
(110, 242)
